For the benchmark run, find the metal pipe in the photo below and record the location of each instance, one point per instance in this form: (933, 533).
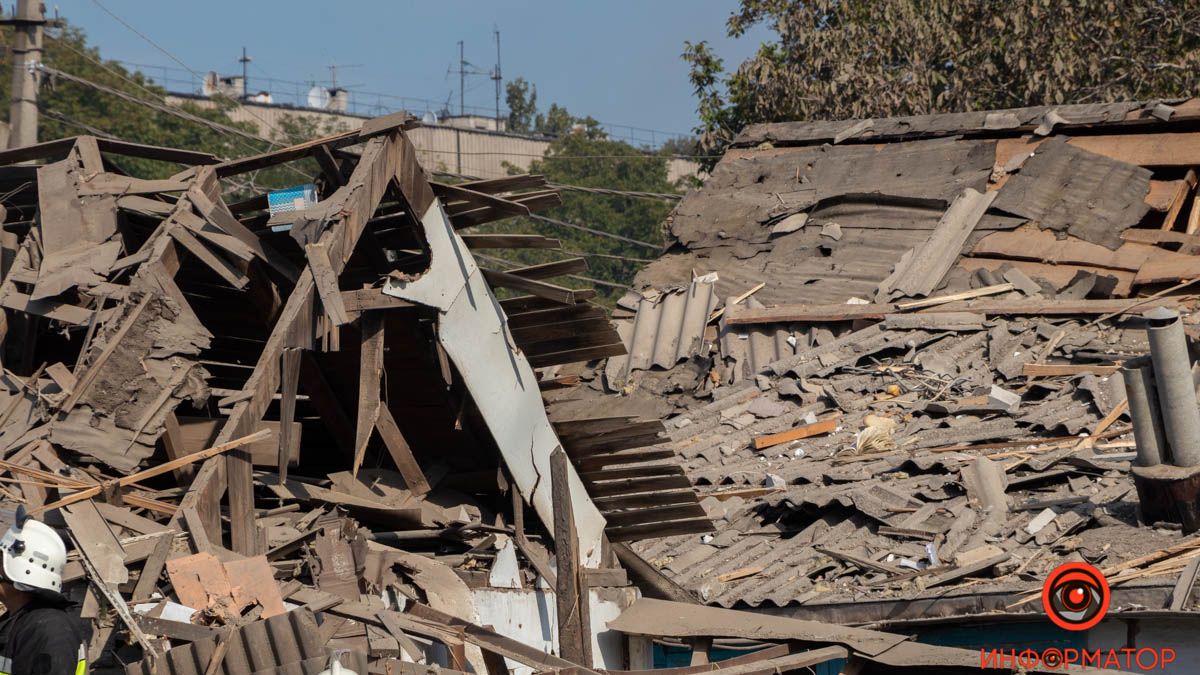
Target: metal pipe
(1173, 381)
(1143, 409)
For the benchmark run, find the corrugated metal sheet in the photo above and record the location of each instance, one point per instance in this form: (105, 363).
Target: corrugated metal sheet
(668, 328)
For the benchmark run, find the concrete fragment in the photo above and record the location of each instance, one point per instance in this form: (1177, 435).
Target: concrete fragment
(1040, 521)
(1000, 398)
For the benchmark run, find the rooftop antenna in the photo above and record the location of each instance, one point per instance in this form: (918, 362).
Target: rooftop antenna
(462, 79)
(333, 68)
(245, 61)
(496, 75)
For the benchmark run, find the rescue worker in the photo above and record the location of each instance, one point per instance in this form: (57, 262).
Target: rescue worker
(37, 634)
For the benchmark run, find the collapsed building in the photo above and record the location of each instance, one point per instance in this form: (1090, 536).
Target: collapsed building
(893, 355)
(301, 427)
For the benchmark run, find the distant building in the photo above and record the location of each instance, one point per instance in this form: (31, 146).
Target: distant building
(473, 145)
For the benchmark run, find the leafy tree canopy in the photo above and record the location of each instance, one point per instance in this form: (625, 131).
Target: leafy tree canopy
(838, 59)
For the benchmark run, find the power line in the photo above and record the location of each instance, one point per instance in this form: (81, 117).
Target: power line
(600, 233)
(160, 107)
(240, 135)
(583, 188)
(576, 277)
(174, 58)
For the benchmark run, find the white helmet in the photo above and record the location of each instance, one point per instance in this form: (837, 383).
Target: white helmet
(34, 555)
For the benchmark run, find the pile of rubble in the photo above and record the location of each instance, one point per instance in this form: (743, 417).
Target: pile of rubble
(287, 428)
(890, 354)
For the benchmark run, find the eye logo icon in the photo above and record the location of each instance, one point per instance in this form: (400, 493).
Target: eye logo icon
(1075, 596)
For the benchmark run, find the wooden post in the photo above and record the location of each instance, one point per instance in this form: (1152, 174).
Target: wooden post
(369, 379)
(574, 625)
(289, 378)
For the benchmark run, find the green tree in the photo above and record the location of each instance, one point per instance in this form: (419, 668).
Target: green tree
(521, 98)
(837, 59)
(584, 157)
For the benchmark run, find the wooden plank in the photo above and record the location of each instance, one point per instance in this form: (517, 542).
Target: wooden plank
(401, 453)
(479, 241)
(289, 378)
(367, 299)
(626, 486)
(51, 309)
(1161, 194)
(803, 431)
(1182, 190)
(655, 514)
(165, 467)
(155, 152)
(821, 313)
(549, 270)
(205, 194)
(638, 501)
(571, 594)
(370, 377)
(219, 265)
(498, 279)
(326, 281)
(656, 530)
(1166, 149)
(954, 297)
(1066, 369)
(1183, 586)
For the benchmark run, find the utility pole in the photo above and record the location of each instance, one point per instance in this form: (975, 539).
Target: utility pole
(245, 61)
(462, 79)
(496, 76)
(28, 21)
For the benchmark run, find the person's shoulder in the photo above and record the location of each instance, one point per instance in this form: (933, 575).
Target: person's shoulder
(50, 616)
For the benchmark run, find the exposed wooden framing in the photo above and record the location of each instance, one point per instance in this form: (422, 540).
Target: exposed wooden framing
(541, 289)
(375, 127)
(173, 444)
(571, 594)
(507, 184)
(370, 378)
(475, 241)
(460, 200)
(666, 529)
(205, 194)
(535, 556)
(549, 270)
(401, 453)
(356, 202)
(322, 396)
(222, 267)
(289, 377)
(654, 584)
(329, 166)
(327, 284)
(153, 568)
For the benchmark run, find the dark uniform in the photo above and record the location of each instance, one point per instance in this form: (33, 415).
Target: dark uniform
(42, 638)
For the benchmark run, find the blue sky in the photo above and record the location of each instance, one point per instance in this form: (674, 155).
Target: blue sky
(616, 60)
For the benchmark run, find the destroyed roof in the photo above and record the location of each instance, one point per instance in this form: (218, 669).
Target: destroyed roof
(364, 426)
(914, 316)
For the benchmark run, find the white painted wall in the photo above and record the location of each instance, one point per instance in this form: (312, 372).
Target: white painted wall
(531, 617)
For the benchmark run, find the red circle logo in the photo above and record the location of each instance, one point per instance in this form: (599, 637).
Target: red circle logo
(1075, 596)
